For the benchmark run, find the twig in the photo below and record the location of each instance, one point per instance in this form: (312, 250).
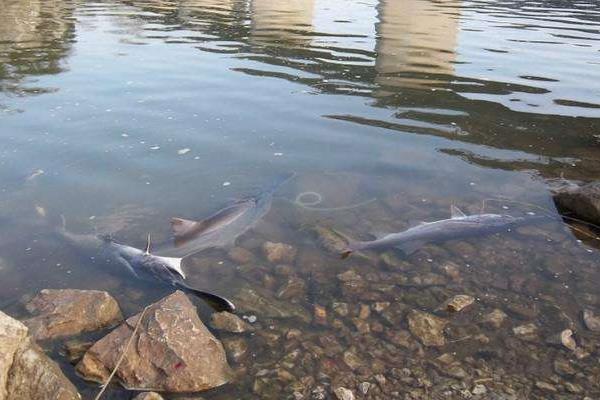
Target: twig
(118, 364)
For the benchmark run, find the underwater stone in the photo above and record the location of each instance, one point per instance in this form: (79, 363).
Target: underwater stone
(279, 252)
(428, 328)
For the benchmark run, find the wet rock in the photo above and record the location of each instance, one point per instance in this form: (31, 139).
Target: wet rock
(361, 325)
(228, 322)
(294, 288)
(528, 332)
(236, 349)
(459, 302)
(240, 255)
(573, 388)
(449, 366)
(583, 201)
(451, 270)
(364, 311)
(279, 252)
(341, 309)
(364, 387)
(256, 301)
(319, 315)
(25, 371)
(173, 351)
(429, 279)
(331, 240)
(380, 306)
(523, 310)
(591, 321)
(479, 389)
(563, 367)
(344, 394)
(68, 312)
(352, 360)
(545, 387)
(75, 349)
(495, 319)
(564, 338)
(148, 396)
(428, 328)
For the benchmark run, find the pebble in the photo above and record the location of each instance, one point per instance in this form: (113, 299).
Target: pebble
(544, 386)
(479, 389)
(591, 321)
(344, 394)
(279, 252)
(364, 387)
(459, 302)
(495, 319)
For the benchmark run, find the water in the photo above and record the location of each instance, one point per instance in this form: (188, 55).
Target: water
(120, 115)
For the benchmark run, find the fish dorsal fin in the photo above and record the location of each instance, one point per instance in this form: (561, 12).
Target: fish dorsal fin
(174, 264)
(148, 245)
(182, 227)
(455, 212)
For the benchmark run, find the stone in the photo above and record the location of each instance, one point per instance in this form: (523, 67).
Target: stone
(148, 396)
(75, 349)
(341, 309)
(591, 321)
(319, 315)
(278, 253)
(173, 351)
(583, 201)
(459, 302)
(239, 255)
(257, 301)
(228, 322)
(526, 332)
(364, 387)
(352, 360)
(479, 389)
(68, 312)
(364, 311)
(564, 338)
(428, 328)
(545, 386)
(573, 388)
(236, 349)
(293, 288)
(495, 319)
(344, 394)
(25, 371)
(563, 367)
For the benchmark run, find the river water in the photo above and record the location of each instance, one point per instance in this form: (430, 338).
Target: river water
(121, 115)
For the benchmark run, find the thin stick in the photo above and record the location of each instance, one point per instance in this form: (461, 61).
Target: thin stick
(118, 364)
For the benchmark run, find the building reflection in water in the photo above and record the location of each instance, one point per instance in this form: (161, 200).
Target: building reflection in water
(282, 21)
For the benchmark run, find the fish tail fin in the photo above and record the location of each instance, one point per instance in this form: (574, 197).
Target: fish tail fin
(217, 302)
(353, 246)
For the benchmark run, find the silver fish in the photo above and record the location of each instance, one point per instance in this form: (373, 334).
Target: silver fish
(222, 228)
(140, 263)
(458, 226)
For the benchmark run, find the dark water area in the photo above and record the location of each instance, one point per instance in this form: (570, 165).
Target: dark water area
(121, 115)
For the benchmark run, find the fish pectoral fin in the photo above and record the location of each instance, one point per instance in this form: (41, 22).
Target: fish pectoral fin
(456, 212)
(410, 247)
(174, 264)
(182, 227)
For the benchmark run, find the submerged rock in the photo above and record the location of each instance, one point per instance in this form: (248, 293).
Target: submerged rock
(459, 302)
(495, 319)
(564, 338)
(173, 351)
(148, 396)
(240, 255)
(255, 301)
(583, 201)
(25, 371)
(279, 252)
(591, 321)
(428, 328)
(236, 348)
(229, 322)
(68, 312)
(526, 332)
(344, 394)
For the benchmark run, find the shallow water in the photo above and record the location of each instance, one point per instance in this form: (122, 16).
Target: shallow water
(120, 115)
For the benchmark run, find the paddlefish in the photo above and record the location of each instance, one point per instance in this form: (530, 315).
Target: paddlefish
(222, 228)
(459, 226)
(139, 263)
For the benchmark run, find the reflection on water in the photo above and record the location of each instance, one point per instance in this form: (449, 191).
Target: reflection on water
(155, 109)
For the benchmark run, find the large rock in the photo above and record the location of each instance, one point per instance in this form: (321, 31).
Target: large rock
(68, 312)
(173, 351)
(583, 201)
(428, 328)
(26, 373)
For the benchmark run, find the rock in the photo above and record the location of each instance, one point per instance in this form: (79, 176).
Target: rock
(148, 396)
(449, 366)
(279, 252)
(563, 367)
(25, 371)
(364, 387)
(331, 240)
(546, 387)
(591, 321)
(257, 301)
(344, 394)
(319, 315)
(229, 322)
(67, 312)
(428, 328)
(583, 201)
(293, 288)
(479, 389)
(352, 360)
(459, 302)
(75, 349)
(236, 349)
(173, 351)
(564, 338)
(573, 387)
(495, 319)
(240, 255)
(341, 309)
(526, 332)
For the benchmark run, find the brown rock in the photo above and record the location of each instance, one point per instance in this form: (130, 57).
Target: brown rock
(591, 321)
(583, 201)
(495, 319)
(68, 312)
(148, 396)
(428, 328)
(526, 332)
(75, 349)
(229, 322)
(279, 252)
(236, 349)
(240, 255)
(173, 351)
(459, 302)
(320, 315)
(293, 288)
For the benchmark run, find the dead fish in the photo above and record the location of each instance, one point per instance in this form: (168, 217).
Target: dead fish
(140, 263)
(458, 226)
(222, 228)
(35, 174)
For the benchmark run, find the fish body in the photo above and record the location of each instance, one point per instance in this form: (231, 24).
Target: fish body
(459, 226)
(223, 227)
(140, 263)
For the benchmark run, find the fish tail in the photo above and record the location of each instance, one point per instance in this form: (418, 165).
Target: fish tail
(353, 246)
(215, 301)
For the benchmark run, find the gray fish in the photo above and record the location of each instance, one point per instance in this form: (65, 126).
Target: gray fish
(458, 226)
(140, 263)
(222, 228)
